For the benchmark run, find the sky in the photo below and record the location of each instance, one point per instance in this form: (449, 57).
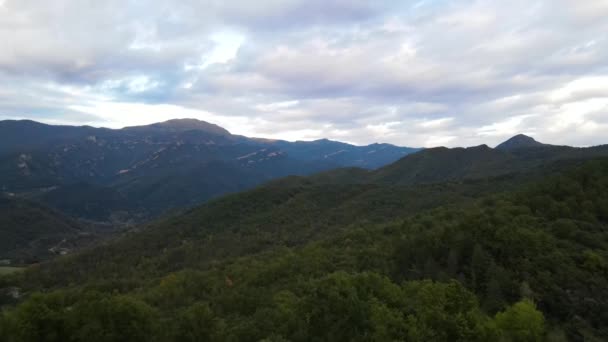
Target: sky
(413, 73)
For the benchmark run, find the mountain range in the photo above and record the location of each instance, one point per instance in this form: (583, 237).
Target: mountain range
(136, 173)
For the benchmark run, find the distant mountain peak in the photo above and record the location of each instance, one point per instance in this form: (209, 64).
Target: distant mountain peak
(182, 125)
(519, 141)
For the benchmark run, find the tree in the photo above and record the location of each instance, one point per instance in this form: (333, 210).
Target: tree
(39, 318)
(453, 262)
(197, 323)
(442, 312)
(494, 297)
(480, 261)
(521, 322)
(105, 318)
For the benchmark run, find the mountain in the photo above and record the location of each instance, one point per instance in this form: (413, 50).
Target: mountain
(140, 172)
(459, 164)
(345, 155)
(97, 203)
(442, 164)
(24, 135)
(181, 125)
(519, 141)
(347, 253)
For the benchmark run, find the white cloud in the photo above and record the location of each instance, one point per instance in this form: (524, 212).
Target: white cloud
(118, 115)
(593, 86)
(507, 127)
(574, 115)
(439, 140)
(383, 129)
(435, 123)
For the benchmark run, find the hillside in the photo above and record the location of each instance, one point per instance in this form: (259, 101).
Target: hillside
(304, 247)
(479, 162)
(30, 232)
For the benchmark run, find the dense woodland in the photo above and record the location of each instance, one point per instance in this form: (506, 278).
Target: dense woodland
(513, 258)
(29, 230)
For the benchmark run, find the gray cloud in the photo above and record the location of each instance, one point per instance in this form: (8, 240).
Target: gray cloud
(432, 72)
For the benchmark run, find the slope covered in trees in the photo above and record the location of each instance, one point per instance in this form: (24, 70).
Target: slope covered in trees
(29, 231)
(301, 260)
(456, 164)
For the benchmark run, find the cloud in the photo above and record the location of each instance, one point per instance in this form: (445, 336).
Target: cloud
(417, 73)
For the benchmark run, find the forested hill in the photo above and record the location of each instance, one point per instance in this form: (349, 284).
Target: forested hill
(443, 164)
(30, 231)
(509, 257)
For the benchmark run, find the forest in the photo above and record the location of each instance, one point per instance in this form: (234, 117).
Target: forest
(312, 261)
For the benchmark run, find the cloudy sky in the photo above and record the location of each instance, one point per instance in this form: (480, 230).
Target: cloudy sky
(415, 73)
